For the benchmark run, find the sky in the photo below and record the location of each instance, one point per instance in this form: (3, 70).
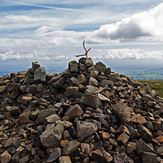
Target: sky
(55, 29)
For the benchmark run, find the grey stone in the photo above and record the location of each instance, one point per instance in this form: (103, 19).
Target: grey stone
(73, 66)
(73, 112)
(145, 133)
(5, 157)
(82, 79)
(92, 68)
(43, 114)
(91, 89)
(85, 148)
(160, 150)
(123, 111)
(25, 99)
(74, 80)
(106, 82)
(52, 135)
(122, 158)
(100, 67)
(2, 89)
(65, 159)
(14, 110)
(108, 71)
(24, 159)
(70, 147)
(24, 117)
(52, 118)
(148, 157)
(88, 62)
(91, 100)
(39, 87)
(124, 137)
(59, 83)
(40, 74)
(54, 155)
(100, 155)
(85, 129)
(94, 74)
(35, 65)
(93, 81)
(103, 98)
(71, 91)
(82, 67)
(82, 60)
(131, 147)
(31, 88)
(143, 146)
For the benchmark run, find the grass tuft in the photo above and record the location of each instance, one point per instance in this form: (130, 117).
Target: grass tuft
(156, 85)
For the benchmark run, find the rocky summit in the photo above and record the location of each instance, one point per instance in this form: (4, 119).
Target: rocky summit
(86, 114)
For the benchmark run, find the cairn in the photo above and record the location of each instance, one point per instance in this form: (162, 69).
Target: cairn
(85, 114)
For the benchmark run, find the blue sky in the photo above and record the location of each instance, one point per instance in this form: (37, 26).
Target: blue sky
(55, 29)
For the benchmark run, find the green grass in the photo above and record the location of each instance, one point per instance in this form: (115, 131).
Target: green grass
(156, 85)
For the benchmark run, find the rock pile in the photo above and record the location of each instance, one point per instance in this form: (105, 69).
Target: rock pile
(85, 114)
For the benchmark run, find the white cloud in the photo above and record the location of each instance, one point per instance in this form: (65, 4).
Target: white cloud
(21, 18)
(144, 26)
(84, 1)
(11, 55)
(47, 28)
(60, 38)
(39, 5)
(127, 54)
(148, 23)
(100, 54)
(43, 30)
